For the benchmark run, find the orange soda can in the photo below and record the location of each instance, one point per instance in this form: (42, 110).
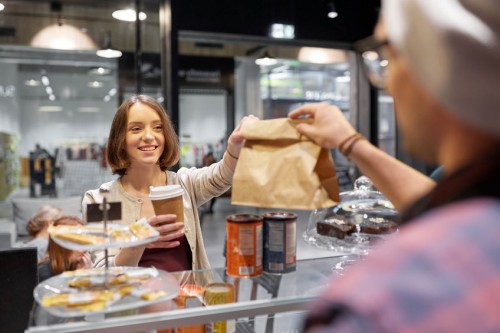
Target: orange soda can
(244, 245)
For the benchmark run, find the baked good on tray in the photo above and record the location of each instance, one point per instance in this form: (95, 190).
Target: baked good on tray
(335, 228)
(343, 223)
(377, 226)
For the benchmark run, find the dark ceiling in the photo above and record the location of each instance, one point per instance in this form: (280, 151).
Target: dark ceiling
(253, 17)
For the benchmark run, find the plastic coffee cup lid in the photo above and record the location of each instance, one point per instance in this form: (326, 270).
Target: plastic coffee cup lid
(165, 192)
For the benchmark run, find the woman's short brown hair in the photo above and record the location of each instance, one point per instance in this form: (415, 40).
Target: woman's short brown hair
(116, 153)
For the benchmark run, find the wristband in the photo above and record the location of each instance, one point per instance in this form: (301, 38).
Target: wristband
(341, 146)
(347, 151)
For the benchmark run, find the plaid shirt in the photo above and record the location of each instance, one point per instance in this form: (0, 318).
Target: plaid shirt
(440, 274)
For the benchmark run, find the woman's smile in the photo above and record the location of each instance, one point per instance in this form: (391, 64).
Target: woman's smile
(148, 148)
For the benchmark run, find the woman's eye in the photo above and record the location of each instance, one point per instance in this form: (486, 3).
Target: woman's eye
(135, 129)
(158, 128)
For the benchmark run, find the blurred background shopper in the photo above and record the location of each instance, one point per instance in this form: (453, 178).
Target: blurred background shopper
(441, 63)
(38, 227)
(59, 259)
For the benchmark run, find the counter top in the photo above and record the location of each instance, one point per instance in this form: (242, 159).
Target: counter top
(265, 294)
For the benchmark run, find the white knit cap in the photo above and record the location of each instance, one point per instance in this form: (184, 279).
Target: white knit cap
(453, 49)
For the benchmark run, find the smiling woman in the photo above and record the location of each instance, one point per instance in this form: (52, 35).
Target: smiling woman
(142, 145)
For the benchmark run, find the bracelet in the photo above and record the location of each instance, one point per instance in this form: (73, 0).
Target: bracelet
(347, 151)
(227, 151)
(341, 146)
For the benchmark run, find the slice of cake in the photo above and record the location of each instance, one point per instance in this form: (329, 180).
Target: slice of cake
(377, 226)
(334, 227)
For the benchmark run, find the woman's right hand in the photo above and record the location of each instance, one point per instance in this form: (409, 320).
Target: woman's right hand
(329, 128)
(170, 231)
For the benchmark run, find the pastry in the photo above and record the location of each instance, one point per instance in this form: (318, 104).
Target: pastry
(377, 226)
(334, 227)
(142, 229)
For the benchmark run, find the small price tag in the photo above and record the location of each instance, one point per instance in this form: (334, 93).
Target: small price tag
(95, 212)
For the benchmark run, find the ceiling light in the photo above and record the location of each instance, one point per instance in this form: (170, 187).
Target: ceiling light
(332, 11)
(112, 92)
(88, 109)
(63, 37)
(50, 108)
(318, 55)
(1, 7)
(45, 80)
(343, 79)
(128, 15)
(266, 60)
(107, 51)
(99, 71)
(95, 84)
(32, 83)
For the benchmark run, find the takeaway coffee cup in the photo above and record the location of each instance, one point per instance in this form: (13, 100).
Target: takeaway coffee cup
(167, 199)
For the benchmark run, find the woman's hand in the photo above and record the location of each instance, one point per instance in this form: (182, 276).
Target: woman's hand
(170, 231)
(329, 128)
(236, 139)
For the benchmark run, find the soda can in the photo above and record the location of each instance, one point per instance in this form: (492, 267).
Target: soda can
(280, 242)
(219, 293)
(244, 245)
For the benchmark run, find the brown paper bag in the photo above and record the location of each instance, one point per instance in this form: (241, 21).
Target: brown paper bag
(280, 168)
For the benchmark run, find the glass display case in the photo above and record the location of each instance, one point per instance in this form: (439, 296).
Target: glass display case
(261, 303)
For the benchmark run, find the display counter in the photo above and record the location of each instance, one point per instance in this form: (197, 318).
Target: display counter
(264, 295)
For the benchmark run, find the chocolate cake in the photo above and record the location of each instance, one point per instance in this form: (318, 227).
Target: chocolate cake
(334, 228)
(377, 226)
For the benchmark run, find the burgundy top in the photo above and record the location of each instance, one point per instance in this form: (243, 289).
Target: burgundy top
(174, 259)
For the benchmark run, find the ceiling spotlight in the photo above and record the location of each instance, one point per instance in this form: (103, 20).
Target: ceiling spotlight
(266, 60)
(88, 109)
(128, 15)
(107, 51)
(95, 84)
(99, 71)
(32, 83)
(45, 80)
(50, 108)
(332, 11)
(2, 7)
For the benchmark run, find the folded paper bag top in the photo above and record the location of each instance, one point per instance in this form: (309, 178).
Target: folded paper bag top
(280, 168)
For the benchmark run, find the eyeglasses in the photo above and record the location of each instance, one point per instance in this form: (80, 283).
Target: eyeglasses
(376, 64)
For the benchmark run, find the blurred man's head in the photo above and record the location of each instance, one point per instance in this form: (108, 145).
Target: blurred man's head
(444, 68)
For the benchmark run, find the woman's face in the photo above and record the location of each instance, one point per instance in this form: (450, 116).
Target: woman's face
(144, 140)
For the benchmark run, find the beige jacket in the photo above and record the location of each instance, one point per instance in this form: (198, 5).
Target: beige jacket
(199, 184)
